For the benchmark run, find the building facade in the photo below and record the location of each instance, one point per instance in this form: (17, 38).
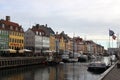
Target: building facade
(37, 40)
(12, 35)
(52, 43)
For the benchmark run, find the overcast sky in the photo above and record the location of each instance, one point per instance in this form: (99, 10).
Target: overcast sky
(89, 19)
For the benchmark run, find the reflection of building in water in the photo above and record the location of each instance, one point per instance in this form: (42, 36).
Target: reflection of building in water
(22, 73)
(41, 74)
(33, 73)
(29, 76)
(22, 76)
(14, 77)
(56, 73)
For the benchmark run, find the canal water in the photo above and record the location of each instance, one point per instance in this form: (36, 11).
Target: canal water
(64, 71)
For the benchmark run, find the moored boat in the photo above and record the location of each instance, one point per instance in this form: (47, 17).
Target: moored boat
(97, 65)
(82, 58)
(65, 58)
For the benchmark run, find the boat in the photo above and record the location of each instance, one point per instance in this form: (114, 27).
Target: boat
(73, 60)
(65, 58)
(73, 57)
(83, 58)
(97, 65)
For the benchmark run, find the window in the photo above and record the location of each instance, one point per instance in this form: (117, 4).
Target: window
(21, 29)
(40, 33)
(36, 32)
(16, 28)
(22, 35)
(16, 34)
(12, 33)
(11, 27)
(3, 25)
(1, 32)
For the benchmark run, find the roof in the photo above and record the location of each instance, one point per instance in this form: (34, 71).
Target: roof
(34, 29)
(46, 29)
(62, 34)
(8, 24)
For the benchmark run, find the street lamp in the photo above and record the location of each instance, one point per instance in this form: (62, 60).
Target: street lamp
(73, 46)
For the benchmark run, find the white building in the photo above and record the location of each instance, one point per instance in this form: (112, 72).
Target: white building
(36, 40)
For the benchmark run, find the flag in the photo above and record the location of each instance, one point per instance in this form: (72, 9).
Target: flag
(114, 37)
(111, 33)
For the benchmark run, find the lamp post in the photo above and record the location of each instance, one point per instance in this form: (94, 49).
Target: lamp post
(42, 45)
(73, 46)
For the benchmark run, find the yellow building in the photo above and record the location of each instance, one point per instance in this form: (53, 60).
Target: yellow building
(16, 34)
(62, 43)
(16, 40)
(69, 45)
(52, 42)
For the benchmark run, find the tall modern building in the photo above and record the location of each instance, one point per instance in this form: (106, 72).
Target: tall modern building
(11, 35)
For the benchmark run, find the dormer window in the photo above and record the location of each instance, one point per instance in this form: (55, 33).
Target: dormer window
(16, 29)
(3, 25)
(40, 33)
(21, 29)
(11, 27)
(36, 32)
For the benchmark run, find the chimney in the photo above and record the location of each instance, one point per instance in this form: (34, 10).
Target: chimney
(7, 18)
(56, 33)
(45, 25)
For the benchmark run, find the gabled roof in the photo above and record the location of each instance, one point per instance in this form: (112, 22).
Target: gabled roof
(62, 35)
(34, 29)
(8, 24)
(46, 29)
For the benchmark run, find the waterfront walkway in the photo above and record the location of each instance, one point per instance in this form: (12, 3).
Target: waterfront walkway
(113, 74)
(20, 61)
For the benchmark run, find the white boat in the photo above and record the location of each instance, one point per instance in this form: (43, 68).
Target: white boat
(97, 65)
(73, 60)
(65, 58)
(74, 57)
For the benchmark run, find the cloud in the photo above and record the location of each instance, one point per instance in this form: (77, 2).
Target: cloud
(79, 16)
(90, 18)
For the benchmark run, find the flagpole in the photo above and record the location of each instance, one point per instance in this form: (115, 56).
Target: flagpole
(109, 38)
(111, 33)
(117, 40)
(112, 42)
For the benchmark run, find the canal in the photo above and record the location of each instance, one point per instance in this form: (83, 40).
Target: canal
(64, 71)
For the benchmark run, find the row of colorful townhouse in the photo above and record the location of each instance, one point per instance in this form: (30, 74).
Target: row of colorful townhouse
(41, 38)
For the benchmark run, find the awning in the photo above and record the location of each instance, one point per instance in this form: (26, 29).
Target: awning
(24, 50)
(10, 50)
(49, 51)
(21, 51)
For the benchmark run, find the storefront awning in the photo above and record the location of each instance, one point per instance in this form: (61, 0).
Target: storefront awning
(24, 50)
(10, 50)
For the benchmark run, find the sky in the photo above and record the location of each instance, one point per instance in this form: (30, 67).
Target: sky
(89, 19)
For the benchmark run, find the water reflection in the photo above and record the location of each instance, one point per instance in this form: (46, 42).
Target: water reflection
(79, 72)
(33, 73)
(68, 71)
